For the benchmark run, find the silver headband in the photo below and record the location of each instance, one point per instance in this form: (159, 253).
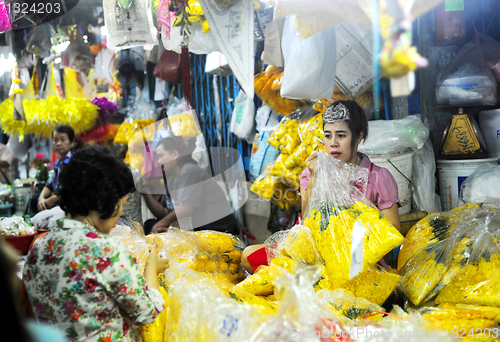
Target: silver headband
(338, 113)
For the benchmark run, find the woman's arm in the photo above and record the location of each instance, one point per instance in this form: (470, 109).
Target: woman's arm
(42, 205)
(392, 214)
(156, 208)
(306, 193)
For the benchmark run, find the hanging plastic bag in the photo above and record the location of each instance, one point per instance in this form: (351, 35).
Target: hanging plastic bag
(273, 55)
(310, 63)
(128, 27)
(478, 187)
(183, 119)
(424, 180)
(270, 188)
(395, 135)
(199, 43)
(467, 81)
(243, 117)
(266, 119)
(200, 154)
(79, 54)
(265, 155)
(338, 214)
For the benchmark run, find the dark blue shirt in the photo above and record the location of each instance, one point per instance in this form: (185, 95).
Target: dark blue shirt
(53, 182)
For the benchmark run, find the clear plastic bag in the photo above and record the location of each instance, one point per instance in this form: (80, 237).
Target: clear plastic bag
(477, 187)
(183, 120)
(374, 285)
(300, 311)
(467, 80)
(234, 313)
(425, 270)
(15, 226)
(432, 229)
(345, 303)
(270, 188)
(137, 244)
(199, 43)
(299, 244)
(395, 135)
(266, 119)
(286, 137)
(335, 207)
(265, 155)
(120, 33)
(290, 177)
(309, 66)
(424, 180)
(478, 283)
(213, 253)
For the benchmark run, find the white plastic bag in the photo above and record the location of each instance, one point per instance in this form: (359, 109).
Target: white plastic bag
(200, 154)
(394, 135)
(480, 186)
(243, 118)
(266, 119)
(199, 43)
(217, 64)
(424, 180)
(125, 32)
(310, 64)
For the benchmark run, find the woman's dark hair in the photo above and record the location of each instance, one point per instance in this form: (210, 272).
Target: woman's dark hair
(71, 136)
(11, 320)
(94, 180)
(172, 144)
(357, 123)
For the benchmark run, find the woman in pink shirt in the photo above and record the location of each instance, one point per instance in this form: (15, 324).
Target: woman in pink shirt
(345, 126)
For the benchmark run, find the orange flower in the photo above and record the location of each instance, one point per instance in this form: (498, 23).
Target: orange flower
(73, 264)
(51, 244)
(107, 249)
(106, 339)
(91, 268)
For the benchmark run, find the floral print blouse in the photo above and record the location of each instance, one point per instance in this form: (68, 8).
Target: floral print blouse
(88, 284)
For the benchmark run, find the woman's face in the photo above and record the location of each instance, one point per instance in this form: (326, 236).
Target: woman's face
(337, 142)
(62, 144)
(105, 226)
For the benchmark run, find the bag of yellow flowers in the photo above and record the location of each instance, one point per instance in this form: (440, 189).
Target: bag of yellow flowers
(301, 315)
(341, 217)
(203, 309)
(479, 281)
(432, 229)
(425, 270)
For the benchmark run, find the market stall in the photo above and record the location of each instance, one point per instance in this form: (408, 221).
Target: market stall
(391, 233)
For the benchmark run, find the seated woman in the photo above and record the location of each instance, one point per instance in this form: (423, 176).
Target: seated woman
(80, 279)
(65, 143)
(345, 126)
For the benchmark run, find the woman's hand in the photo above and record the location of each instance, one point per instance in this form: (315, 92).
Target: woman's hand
(312, 161)
(42, 205)
(156, 264)
(159, 228)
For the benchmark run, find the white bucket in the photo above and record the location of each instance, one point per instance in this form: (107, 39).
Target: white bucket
(489, 123)
(452, 174)
(399, 164)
